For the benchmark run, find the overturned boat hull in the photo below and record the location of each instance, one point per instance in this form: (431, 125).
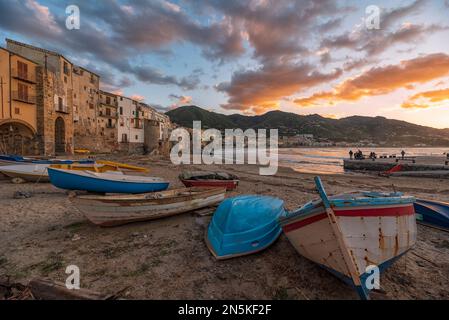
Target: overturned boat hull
(434, 213)
(244, 225)
(117, 210)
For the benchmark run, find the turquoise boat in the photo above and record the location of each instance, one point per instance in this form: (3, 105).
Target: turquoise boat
(244, 225)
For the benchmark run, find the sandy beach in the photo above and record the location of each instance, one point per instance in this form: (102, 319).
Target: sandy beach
(168, 259)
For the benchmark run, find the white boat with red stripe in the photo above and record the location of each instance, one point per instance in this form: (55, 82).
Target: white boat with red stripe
(347, 234)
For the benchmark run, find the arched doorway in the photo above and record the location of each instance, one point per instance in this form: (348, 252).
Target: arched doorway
(59, 135)
(17, 138)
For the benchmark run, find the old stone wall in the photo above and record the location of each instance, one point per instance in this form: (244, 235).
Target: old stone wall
(48, 136)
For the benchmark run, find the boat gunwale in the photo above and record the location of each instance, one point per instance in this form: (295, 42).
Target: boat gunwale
(141, 197)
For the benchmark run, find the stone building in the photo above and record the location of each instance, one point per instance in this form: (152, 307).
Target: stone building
(18, 109)
(86, 91)
(51, 106)
(107, 121)
(130, 127)
(54, 93)
(54, 121)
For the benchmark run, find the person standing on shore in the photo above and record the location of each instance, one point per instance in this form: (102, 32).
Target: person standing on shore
(351, 154)
(403, 154)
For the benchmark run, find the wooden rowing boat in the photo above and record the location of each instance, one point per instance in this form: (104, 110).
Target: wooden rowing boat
(350, 233)
(105, 182)
(116, 210)
(31, 173)
(209, 179)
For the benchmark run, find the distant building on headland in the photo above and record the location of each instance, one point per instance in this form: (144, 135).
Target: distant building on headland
(297, 140)
(51, 106)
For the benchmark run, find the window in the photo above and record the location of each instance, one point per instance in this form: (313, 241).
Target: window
(121, 110)
(124, 137)
(109, 123)
(108, 100)
(23, 92)
(137, 137)
(121, 99)
(108, 112)
(65, 79)
(60, 103)
(66, 68)
(91, 105)
(17, 111)
(22, 70)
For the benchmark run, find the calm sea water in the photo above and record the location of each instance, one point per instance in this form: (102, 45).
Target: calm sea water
(330, 160)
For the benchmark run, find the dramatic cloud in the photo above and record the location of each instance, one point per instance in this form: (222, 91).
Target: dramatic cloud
(383, 80)
(261, 90)
(180, 101)
(393, 31)
(276, 29)
(427, 99)
(395, 15)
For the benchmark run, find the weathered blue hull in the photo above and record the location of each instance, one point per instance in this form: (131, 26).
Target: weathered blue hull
(243, 225)
(72, 181)
(14, 159)
(433, 213)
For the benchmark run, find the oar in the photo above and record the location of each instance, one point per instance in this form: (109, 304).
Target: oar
(349, 261)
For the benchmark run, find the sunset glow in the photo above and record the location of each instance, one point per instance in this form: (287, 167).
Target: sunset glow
(252, 57)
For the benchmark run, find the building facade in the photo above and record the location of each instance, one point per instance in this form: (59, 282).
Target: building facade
(51, 106)
(86, 93)
(18, 114)
(107, 121)
(56, 97)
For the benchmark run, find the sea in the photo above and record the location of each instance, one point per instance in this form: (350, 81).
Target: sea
(330, 160)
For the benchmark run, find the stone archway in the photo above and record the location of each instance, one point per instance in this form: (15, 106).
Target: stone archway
(59, 135)
(17, 137)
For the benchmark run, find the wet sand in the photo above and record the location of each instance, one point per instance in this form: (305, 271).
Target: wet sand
(168, 259)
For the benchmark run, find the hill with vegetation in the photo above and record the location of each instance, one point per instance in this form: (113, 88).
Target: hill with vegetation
(378, 130)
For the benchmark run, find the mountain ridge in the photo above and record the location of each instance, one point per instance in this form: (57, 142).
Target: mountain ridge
(352, 129)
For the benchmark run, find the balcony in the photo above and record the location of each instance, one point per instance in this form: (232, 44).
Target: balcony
(113, 115)
(62, 109)
(25, 98)
(29, 77)
(110, 103)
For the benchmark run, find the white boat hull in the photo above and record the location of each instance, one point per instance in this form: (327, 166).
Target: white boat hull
(372, 240)
(31, 173)
(117, 210)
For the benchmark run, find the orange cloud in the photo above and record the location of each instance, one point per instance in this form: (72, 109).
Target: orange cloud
(383, 80)
(137, 97)
(425, 99)
(263, 89)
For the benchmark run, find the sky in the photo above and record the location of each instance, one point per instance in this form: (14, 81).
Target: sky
(328, 57)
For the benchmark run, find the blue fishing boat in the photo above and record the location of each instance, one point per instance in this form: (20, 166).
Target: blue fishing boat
(433, 213)
(243, 225)
(104, 182)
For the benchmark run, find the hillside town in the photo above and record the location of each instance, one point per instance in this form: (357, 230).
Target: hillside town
(50, 106)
